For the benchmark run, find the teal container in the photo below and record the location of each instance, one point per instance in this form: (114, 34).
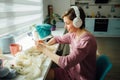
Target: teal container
(43, 30)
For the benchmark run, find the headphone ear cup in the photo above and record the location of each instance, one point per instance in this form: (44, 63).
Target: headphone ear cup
(77, 22)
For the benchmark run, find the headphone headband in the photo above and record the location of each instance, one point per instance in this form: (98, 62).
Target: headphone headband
(76, 11)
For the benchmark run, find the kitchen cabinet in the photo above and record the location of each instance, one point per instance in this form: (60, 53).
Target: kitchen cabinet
(89, 24)
(101, 27)
(114, 27)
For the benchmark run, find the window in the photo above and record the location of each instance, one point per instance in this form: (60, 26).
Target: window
(16, 16)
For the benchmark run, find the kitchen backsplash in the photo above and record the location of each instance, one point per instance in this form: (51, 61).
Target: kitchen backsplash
(105, 11)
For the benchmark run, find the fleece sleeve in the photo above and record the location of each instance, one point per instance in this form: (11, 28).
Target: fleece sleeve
(65, 39)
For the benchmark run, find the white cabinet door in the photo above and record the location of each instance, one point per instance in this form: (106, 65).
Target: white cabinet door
(89, 24)
(114, 27)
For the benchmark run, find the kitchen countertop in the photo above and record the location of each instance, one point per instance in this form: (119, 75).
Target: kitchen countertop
(27, 42)
(103, 18)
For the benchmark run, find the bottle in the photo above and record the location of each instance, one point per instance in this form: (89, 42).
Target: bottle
(112, 9)
(98, 15)
(92, 14)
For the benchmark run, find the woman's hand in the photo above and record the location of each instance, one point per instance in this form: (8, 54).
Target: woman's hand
(38, 42)
(40, 45)
(44, 47)
(47, 49)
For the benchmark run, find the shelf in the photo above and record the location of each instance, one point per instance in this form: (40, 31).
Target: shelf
(92, 3)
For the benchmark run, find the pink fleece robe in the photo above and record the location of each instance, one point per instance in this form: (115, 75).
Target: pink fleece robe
(80, 64)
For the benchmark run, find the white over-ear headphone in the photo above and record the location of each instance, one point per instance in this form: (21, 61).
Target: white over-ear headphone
(77, 22)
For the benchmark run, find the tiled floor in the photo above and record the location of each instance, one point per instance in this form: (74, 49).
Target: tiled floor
(111, 47)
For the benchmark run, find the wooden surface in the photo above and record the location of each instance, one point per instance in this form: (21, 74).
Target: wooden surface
(111, 47)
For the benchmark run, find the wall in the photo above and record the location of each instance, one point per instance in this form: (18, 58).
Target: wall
(105, 10)
(60, 6)
(45, 7)
(110, 9)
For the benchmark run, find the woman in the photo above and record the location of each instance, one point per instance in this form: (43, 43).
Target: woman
(80, 64)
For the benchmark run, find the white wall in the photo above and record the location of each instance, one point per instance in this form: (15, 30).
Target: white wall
(60, 6)
(45, 7)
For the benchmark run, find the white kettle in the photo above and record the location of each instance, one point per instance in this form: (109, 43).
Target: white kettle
(5, 43)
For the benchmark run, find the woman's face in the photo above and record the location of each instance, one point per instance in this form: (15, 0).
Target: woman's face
(69, 25)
